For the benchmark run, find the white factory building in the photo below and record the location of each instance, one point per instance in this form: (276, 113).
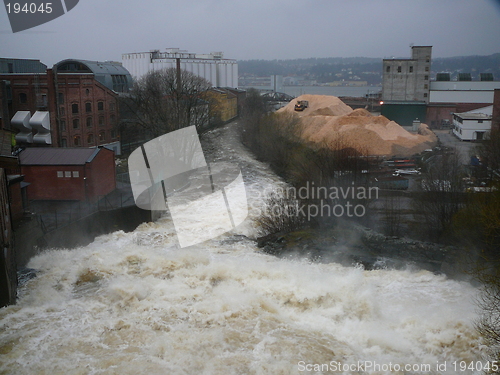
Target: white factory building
(473, 125)
(463, 91)
(213, 67)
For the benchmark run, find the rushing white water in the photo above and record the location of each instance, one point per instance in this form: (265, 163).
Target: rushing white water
(134, 303)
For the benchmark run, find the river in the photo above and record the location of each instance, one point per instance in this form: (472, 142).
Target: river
(351, 91)
(136, 303)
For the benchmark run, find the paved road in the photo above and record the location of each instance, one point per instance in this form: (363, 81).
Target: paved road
(466, 148)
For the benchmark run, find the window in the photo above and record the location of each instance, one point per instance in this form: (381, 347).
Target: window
(426, 78)
(113, 133)
(102, 136)
(101, 120)
(87, 92)
(10, 67)
(399, 69)
(62, 111)
(89, 122)
(60, 98)
(388, 69)
(63, 125)
(23, 98)
(88, 107)
(76, 142)
(426, 68)
(425, 95)
(112, 106)
(90, 139)
(74, 108)
(67, 173)
(100, 106)
(479, 121)
(76, 174)
(64, 142)
(411, 69)
(112, 119)
(76, 123)
(426, 86)
(60, 174)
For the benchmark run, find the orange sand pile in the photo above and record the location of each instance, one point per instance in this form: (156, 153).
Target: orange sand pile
(329, 120)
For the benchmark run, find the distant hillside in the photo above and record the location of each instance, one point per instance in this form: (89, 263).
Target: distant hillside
(367, 69)
(469, 64)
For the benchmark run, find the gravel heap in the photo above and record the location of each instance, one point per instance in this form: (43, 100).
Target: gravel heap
(330, 121)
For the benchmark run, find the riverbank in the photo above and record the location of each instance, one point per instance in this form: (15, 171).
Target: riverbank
(354, 245)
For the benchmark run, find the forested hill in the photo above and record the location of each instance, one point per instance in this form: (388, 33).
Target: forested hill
(365, 68)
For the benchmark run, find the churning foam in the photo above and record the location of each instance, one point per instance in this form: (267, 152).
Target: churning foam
(135, 304)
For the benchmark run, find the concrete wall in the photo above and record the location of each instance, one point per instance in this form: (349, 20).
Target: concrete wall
(30, 239)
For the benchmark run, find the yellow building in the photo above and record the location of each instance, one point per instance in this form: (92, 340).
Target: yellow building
(223, 105)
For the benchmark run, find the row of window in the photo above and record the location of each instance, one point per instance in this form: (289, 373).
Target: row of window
(77, 140)
(400, 69)
(23, 99)
(90, 139)
(401, 77)
(60, 96)
(88, 122)
(88, 107)
(61, 174)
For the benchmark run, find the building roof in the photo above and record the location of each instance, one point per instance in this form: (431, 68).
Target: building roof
(57, 156)
(21, 66)
(111, 74)
(473, 116)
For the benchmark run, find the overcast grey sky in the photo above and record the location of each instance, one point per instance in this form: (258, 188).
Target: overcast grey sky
(261, 29)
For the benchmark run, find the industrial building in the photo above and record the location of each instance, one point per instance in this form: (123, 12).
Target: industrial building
(408, 79)
(68, 173)
(473, 125)
(75, 104)
(449, 97)
(408, 94)
(225, 105)
(406, 86)
(213, 67)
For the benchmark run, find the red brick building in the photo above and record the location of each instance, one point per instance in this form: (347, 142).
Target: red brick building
(68, 173)
(495, 120)
(81, 97)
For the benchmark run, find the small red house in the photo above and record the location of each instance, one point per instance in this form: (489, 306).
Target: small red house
(68, 173)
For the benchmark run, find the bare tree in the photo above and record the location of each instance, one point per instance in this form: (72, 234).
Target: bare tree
(163, 103)
(442, 192)
(489, 152)
(392, 214)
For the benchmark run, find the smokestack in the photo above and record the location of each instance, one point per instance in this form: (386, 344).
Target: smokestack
(178, 65)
